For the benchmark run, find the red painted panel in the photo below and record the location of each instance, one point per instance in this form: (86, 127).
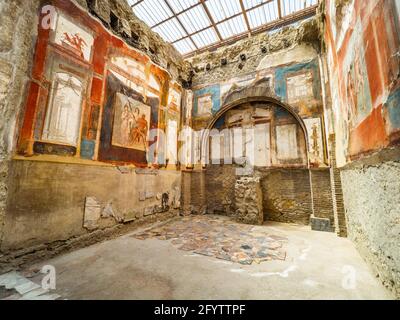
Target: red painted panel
(27, 127)
(97, 90)
(370, 134)
(372, 61)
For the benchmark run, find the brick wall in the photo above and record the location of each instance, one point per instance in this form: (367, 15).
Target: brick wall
(287, 195)
(194, 198)
(337, 192)
(322, 195)
(220, 185)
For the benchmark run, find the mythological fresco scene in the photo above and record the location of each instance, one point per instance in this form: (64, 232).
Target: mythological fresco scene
(200, 149)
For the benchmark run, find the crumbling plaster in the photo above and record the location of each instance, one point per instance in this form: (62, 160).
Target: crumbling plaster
(142, 37)
(17, 40)
(209, 67)
(18, 37)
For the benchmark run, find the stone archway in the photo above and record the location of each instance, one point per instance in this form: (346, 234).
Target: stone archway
(257, 92)
(250, 210)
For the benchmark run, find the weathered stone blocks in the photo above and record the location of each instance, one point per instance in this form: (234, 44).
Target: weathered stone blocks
(248, 197)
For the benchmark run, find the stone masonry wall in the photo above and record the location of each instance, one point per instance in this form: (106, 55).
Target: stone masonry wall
(287, 195)
(194, 197)
(372, 202)
(208, 67)
(248, 201)
(17, 40)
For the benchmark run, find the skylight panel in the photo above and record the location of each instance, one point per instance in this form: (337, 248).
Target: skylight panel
(223, 9)
(232, 27)
(152, 12)
(205, 38)
(292, 6)
(248, 4)
(195, 19)
(262, 15)
(179, 5)
(189, 24)
(170, 30)
(184, 46)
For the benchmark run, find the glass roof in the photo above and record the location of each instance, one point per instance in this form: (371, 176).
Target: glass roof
(195, 25)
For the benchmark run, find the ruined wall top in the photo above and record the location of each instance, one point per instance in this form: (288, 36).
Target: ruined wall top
(245, 55)
(118, 16)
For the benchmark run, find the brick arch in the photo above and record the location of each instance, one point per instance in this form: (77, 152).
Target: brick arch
(257, 92)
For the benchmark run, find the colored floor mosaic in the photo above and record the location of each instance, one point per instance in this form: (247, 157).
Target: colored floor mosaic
(221, 238)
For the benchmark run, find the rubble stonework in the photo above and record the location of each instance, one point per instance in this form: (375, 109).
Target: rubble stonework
(255, 49)
(248, 197)
(141, 37)
(17, 39)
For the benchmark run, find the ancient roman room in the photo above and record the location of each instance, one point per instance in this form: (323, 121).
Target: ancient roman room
(200, 150)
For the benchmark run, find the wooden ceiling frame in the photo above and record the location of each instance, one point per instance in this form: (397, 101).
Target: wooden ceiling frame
(281, 21)
(224, 20)
(289, 19)
(246, 18)
(180, 23)
(214, 25)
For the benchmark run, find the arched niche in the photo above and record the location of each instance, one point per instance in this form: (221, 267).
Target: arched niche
(257, 93)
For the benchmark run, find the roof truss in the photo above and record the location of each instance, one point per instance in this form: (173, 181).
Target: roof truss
(194, 26)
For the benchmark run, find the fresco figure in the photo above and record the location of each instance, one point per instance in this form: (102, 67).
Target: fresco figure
(128, 121)
(75, 41)
(141, 130)
(131, 123)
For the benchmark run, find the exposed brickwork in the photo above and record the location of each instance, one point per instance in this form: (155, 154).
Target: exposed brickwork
(322, 196)
(337, 192)
(287, 195)
(194, 192)
(220, 184)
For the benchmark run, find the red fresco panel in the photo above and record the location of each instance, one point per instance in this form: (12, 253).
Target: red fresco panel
(97, 90)
(364, 139)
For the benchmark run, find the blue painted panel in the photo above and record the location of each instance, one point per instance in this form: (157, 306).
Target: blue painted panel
(282, 73)
(393, 108)
(87, 149)
(214, 91)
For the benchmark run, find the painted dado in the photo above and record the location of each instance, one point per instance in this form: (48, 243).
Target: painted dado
(96, 110)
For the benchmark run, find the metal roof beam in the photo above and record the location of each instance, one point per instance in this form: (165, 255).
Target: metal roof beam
(181, 24)
(246, 18)
(211, 19)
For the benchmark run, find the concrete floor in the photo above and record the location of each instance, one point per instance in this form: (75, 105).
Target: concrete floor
(318, 266)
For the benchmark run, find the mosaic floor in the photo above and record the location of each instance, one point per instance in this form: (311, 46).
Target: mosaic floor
(221, 238)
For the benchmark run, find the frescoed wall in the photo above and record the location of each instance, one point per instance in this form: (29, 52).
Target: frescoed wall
(363, 41)
(281, 149)
(296, 83)
(90, 112)
(94, 97)
(364, 66)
